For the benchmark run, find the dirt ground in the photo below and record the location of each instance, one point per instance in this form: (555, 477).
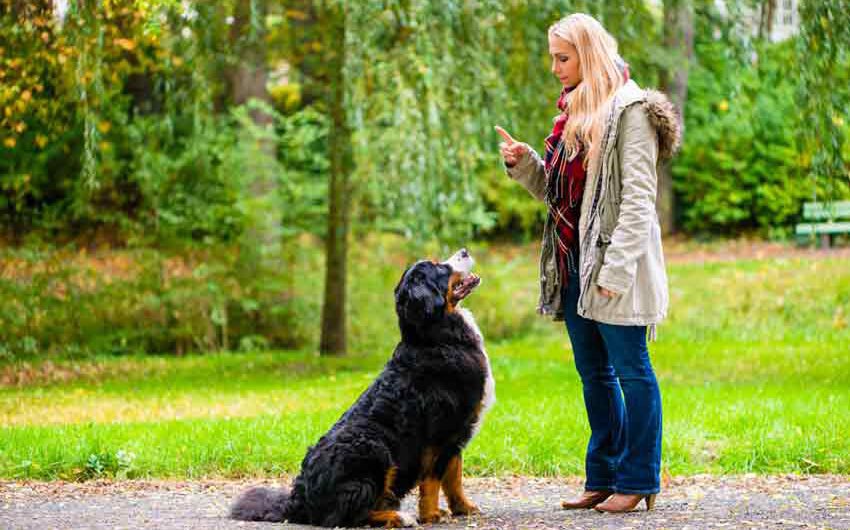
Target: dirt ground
(692, 503)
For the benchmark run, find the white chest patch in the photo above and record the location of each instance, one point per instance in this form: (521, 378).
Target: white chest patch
(489, 396)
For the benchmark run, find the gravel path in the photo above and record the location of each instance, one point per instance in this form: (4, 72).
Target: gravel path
(701, 502)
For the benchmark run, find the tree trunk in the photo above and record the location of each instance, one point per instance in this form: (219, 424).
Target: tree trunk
(678, 36)
(767, 10)
(333, 339)
(248, 78)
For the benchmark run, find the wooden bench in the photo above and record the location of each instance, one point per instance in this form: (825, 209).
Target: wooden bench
(823, 220)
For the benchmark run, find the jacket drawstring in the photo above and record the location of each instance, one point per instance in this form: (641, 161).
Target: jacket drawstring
(651, 333)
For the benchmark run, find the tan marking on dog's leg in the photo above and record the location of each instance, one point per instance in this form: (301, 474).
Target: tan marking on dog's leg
(429, 488)
(389, 479)
(388, 500)
(429, 501)
(453, 488)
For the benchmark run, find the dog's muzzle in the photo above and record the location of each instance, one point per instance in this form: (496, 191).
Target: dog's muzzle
(462, 263)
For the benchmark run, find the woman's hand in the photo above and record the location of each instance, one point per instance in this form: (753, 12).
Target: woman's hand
(511, 150)
(606, 293)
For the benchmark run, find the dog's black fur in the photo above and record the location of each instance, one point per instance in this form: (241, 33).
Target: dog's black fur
(422, 408)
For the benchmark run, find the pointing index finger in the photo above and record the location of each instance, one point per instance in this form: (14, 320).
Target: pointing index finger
(504, 134)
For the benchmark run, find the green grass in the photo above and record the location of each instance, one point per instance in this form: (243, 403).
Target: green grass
(754, 367)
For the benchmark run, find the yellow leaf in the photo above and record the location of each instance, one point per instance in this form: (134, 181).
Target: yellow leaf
(104, 126)
(723, 105)
(127, 44)
(10, 142)
(295, 14)
(40, 140)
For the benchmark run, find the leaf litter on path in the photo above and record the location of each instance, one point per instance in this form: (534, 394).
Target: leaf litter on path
(511, 502)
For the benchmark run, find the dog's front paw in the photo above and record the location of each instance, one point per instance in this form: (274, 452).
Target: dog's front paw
(438, 516)
(465, 508)
(404, 520)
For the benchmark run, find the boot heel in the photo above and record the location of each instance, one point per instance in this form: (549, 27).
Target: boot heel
(650, 501)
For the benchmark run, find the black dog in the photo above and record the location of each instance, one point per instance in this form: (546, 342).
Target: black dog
(408, 428)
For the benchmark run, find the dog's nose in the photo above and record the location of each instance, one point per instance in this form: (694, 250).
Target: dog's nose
(464, 253)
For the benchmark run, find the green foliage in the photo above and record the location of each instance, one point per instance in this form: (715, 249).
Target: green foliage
(303, 155)
(119, 116)
(35, 123)
(421, 83)
(765, 125)
(60, 303)
(184, 180)
(739, 169)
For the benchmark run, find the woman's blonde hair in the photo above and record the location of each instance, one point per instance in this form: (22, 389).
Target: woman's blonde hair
(588, 104)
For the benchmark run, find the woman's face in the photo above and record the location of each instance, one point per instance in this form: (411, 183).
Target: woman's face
(565, 63)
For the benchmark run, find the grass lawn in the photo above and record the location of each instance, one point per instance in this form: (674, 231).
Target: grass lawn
(754, 367)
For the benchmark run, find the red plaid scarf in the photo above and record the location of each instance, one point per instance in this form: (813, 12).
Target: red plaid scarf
(565, 177)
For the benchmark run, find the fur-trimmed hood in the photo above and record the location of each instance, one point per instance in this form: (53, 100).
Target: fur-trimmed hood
(665, 118)
(661, 112)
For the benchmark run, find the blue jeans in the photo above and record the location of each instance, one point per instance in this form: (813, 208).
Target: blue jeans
(622, 399)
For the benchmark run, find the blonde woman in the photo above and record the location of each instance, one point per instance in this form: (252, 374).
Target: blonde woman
(601, 266)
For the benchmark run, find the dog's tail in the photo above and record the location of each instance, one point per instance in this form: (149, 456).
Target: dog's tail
(263, 504)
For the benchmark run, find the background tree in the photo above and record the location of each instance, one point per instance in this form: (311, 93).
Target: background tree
(333, 17)
(679, 40)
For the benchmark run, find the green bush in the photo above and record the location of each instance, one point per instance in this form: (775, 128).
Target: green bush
(740, 168)
(62, 303)
(720, 176)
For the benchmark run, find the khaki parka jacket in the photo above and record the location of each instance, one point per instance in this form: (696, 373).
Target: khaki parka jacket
(619, 233)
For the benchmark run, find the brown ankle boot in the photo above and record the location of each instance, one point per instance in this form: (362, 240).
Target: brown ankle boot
(623, 502)
(588, 499)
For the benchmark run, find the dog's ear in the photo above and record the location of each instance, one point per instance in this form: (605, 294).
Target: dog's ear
(419, 303)
(418, 298)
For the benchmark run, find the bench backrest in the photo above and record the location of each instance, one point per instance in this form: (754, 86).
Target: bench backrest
(826, 210)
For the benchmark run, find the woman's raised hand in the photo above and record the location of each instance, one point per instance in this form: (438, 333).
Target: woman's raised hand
(512, 151)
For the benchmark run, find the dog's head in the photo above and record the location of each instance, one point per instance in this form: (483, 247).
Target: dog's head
(430, 290)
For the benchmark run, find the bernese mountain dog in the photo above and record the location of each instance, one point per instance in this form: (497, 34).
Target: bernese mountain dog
(408, 428)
